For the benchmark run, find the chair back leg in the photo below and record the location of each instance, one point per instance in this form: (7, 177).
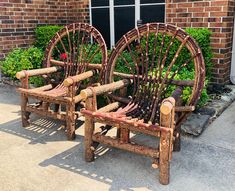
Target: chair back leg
(124, 135)
(45, 105)
(57, 108)
(177, 141)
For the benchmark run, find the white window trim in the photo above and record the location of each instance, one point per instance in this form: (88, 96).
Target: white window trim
(146, 4)
(112, 25)
(137, 11)
(90, 12)
(111, 7)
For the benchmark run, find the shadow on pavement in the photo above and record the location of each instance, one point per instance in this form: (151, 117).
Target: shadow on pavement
(119, 169)
(196, 167)
(41, 130)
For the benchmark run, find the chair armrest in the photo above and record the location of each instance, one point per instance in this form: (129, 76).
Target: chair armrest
(37, 72)
(90, 65)
(167, 105)
(110, 107)
(89, 92)
(74, 79)
(177, 96)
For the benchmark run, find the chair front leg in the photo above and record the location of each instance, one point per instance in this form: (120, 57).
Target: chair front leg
(70, 120)
(167, 113)
(70, 114)
(164, 159)
(24, 101)
(89, 131)
(24, 114)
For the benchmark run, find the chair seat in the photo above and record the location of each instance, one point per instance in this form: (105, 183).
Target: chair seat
(134, 112)
(120, 118)
(46, 91)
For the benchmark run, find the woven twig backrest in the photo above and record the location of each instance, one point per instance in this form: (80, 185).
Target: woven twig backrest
(156, 57)
(74, 47)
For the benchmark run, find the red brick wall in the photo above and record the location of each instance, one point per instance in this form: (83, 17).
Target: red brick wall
(216, 15)
(18, 19)
(78, 10)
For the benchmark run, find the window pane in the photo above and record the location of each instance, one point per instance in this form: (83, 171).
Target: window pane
(124, 20)
(100, 20)
(95, 3)
(152, 13)
(123, 2)
(151, 1)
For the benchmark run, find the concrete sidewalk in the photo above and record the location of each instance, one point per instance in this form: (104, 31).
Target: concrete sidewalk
(40, 158)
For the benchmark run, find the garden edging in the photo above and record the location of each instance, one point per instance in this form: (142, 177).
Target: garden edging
(202, 117)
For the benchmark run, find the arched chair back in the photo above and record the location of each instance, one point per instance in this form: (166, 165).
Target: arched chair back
(158, 58)
(75, 48)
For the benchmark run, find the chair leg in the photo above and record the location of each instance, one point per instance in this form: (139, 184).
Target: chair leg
(177, 141)
(164, 164)
(118, 134)
(45, 106)
(57, 107)
(70, 121)
(166, 120)
(89, 130)
(124, 135)
(24, 114)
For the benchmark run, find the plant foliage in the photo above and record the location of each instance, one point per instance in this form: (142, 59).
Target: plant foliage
(20, 59)
(44, 34)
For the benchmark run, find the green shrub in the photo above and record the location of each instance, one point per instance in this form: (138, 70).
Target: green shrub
(202, 37)
(44, 35)
(35, 56)
(20, 59)
(187, 91)
(14, 62)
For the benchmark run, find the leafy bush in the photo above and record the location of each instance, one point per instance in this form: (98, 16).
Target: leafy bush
(35, 56)
(187, 91)
(202, 37)
(44, 35)
(14, 62)
(20, 59)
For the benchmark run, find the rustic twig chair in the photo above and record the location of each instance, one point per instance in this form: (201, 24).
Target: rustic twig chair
(146, 95)
(69, 60)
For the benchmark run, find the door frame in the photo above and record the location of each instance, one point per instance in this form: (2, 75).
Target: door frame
(232, 75)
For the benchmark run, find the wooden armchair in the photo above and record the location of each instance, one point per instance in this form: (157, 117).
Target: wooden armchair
(147, 94)
(70, 62)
